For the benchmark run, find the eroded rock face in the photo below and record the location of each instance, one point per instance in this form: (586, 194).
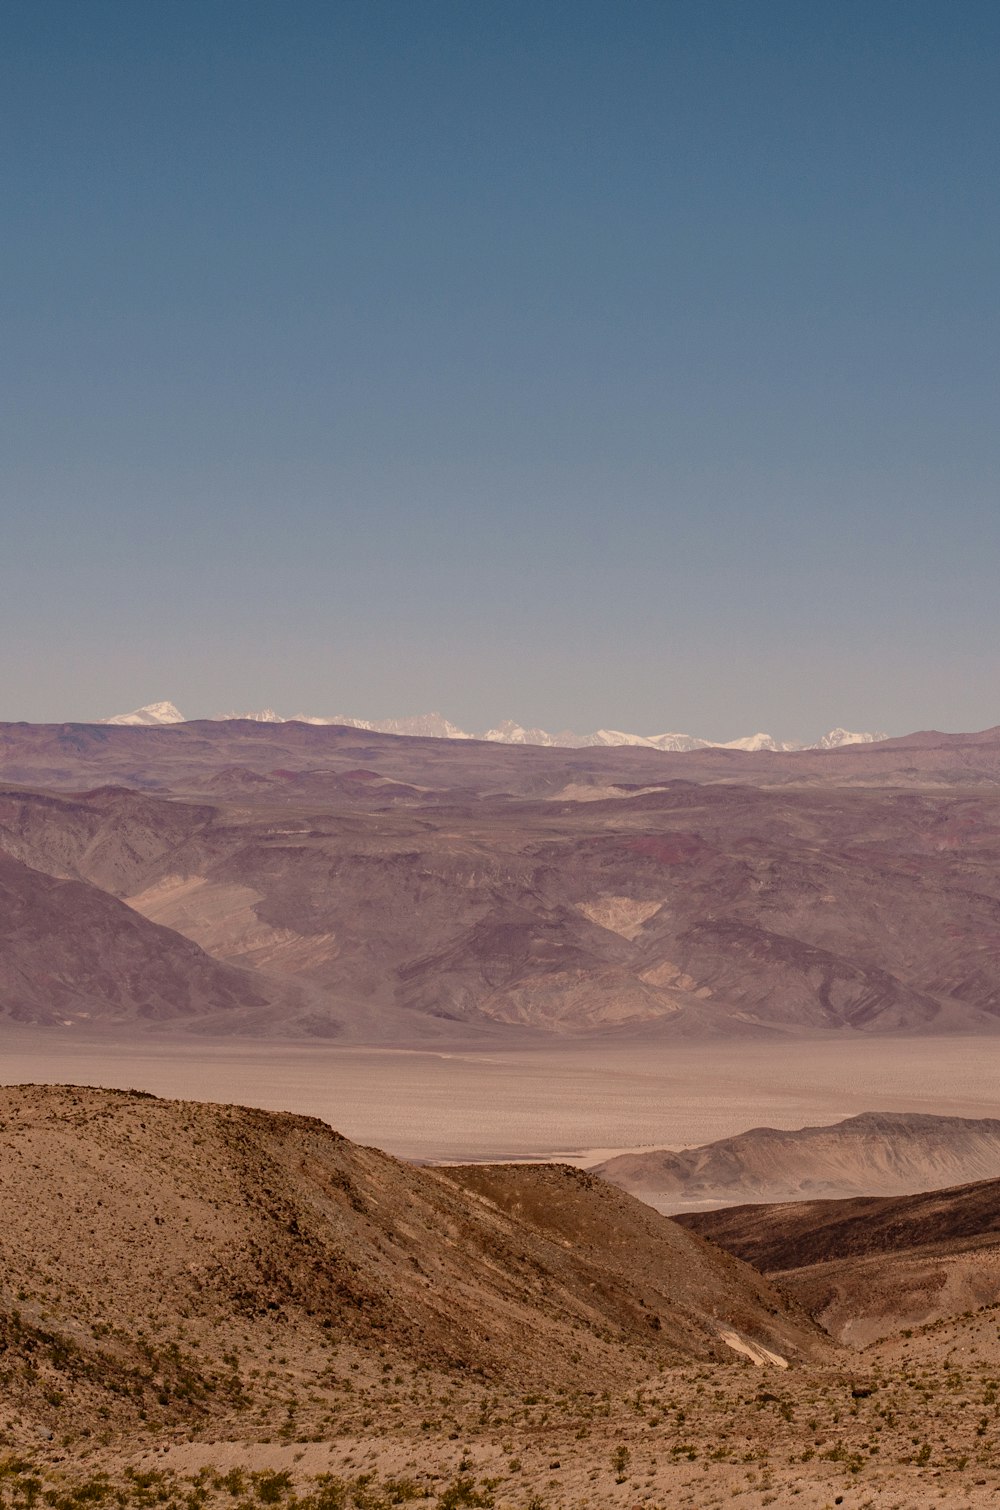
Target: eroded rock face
(72, 955)
(408, 887)
(868, 1267)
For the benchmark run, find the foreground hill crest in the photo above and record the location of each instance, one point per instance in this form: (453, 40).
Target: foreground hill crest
(122, 1213)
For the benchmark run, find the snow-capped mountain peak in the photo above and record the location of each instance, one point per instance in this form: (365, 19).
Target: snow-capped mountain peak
(615, 738)
(151, 715)
(837, 738)
(754, 743)
(261, 716)
(436, 726)
(678, 742)
(510, 733)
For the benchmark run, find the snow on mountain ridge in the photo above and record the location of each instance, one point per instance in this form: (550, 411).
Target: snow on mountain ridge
(436, 726)
(679, 743)
(261, 716)
(151, 715)
(754, 743)
(510, 733)
(837, 738)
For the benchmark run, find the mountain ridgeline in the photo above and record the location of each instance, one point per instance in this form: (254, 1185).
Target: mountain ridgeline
(876, 1153)
(436, 726)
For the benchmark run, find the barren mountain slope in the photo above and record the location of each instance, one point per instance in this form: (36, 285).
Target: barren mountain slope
(689, 909)
(156, 1253)
(110, 836)
(640, 1258)
(69, 953)
(876, 1153)
(869, 1267)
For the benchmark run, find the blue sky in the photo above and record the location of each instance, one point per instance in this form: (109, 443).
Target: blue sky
(630, 363)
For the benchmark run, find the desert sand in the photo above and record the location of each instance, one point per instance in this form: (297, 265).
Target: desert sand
(578, 1102)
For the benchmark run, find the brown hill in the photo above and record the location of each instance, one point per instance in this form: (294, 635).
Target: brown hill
(208, 1306)
(868, 1267)
(876, 1153)
(159, 1256)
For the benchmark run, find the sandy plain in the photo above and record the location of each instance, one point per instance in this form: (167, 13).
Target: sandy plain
(577, 1102)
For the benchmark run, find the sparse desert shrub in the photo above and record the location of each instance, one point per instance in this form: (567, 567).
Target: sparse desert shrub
(620, 1459)
(330, 1494)
(400, 1491)
(462, 1491)
(234, 1482)
(271, 1487)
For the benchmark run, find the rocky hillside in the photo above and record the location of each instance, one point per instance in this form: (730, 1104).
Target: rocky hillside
(73, 756)
(867, 1268)
(876, 1153)
(72, 954)
(693, 910)
(181, 1262)
(213, 1307)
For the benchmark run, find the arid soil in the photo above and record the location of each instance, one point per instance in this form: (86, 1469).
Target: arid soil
(876, 1153)
(125, 1217)
(318, 883)
(201, 1305)
(210, 1306)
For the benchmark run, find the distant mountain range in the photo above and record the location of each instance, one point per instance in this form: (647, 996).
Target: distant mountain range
(436, 726)
(292, 881)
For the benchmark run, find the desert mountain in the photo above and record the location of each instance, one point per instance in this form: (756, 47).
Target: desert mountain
(436, 726)
(877, 1153)
(70, 954)
(156, 1252)
(152, 715)
(868, 1267)
(182, 756)
(408, 887)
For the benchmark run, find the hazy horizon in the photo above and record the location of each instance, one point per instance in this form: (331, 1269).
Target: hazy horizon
(375, 718)
(408, 711)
